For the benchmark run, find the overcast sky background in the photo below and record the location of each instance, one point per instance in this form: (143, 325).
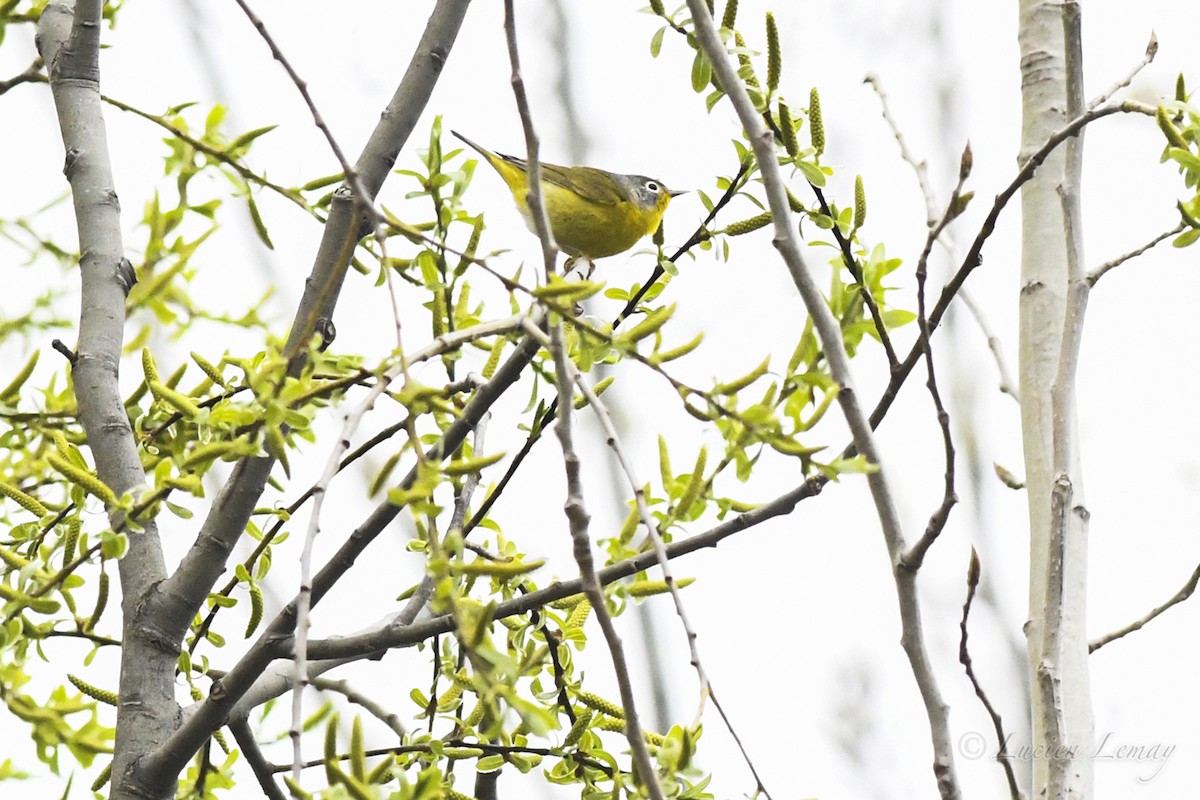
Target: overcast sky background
(797, 618)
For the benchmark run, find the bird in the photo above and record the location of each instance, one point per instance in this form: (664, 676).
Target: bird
(593, 213)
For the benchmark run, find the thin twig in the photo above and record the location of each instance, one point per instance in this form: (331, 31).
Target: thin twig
(462, 502)
(66, 571)
(851, 263)
(249, 175)
(974, 257)
(660, 552)
(1101, 270)
(362, 197)
(1183, 594)
(915, 556)
(32, 73)
(1007, 385)
(98, 641)
(577, 515)
(486, 747)
(578, 520)
(1151, 52)
(964, 658)
(70, 355)
(377, 710)
(533, 190)
(304, 597)
(920, 168)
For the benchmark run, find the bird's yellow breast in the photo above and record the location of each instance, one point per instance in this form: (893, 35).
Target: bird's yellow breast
(588, 229)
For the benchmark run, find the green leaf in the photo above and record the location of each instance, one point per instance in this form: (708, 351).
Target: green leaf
(895, 317)
(260, 227)
(758, 98)
(1186, 238)
(701, 72)
(656, 42)
(1186, 158)
(214, 120)
(812, 173)
(489, 763)
(713, 98)
(249, 136)
(113, 545)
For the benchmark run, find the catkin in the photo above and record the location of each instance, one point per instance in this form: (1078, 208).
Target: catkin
(25, 501)
(860, 202)
(744, 226)
(100, 695)
(816, 128)
(774, 54)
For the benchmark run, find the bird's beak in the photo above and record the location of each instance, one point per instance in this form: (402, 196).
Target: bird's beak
(677, 192)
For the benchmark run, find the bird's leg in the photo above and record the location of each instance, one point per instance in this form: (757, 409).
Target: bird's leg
(575, 261)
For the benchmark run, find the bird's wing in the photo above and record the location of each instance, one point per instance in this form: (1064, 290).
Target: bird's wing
(588, 182)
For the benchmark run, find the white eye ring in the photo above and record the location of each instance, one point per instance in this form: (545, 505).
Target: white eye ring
(652, 186)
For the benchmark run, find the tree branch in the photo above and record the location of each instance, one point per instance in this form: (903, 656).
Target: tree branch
(974, 256)
(1007, 385)
(915, 556)
(276, 681)
(373, 708)
(389, 636)
(1151, 52)
(169, 756)
(69, 42)
(1058, 566)
(230, 510)
(1183, 594)
(253, 754)
(829, 333)
(578, 518)
(304, 597)
(31, 74)
(964, 658)
(1102, 270)
(663, 559)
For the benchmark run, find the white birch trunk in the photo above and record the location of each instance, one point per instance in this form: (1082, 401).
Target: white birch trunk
(1061, 699)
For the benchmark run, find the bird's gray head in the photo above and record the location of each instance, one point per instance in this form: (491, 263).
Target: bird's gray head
(644, 192)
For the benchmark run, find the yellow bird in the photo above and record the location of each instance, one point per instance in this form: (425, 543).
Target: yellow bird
(593, 213)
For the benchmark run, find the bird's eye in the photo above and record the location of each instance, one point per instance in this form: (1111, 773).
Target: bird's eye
(652, 186)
